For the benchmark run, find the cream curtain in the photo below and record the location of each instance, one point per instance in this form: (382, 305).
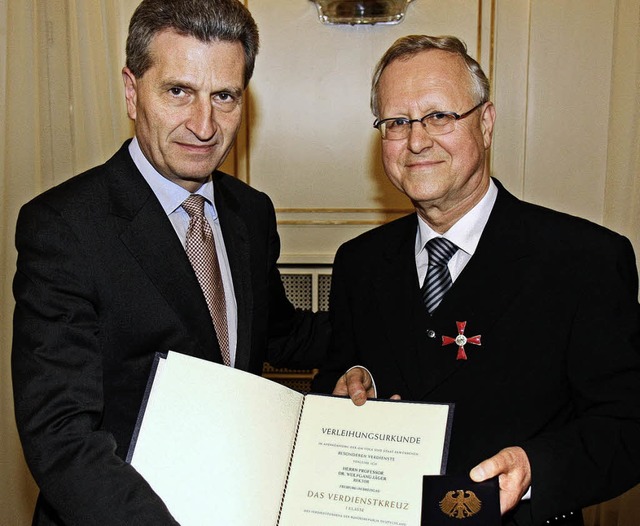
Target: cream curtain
(622, 193)
(623, 511)
(62, 111)
(622, 190)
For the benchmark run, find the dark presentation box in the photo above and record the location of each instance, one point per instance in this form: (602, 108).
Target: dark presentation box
(456, 499)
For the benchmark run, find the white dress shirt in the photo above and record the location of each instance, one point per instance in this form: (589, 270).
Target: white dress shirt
(465, 234)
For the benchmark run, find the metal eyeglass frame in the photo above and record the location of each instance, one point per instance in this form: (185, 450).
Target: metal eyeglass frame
(380, 125)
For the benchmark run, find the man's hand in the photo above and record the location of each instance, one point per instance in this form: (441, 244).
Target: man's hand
(512, 467)
(357, 384)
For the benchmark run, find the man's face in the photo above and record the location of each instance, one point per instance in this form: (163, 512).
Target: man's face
(446, 172)
(187, 106)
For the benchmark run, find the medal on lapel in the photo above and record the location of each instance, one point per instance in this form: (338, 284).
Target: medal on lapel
(461, 340)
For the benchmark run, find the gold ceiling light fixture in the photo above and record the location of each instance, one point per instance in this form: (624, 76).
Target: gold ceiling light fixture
(356, 12)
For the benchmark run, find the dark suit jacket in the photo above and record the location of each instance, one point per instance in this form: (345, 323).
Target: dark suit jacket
(554, 299)
(102, 284)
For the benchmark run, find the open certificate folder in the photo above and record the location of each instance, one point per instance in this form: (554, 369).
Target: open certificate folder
(221, 446)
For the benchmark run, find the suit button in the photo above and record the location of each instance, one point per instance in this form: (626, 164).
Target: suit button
(431, 333)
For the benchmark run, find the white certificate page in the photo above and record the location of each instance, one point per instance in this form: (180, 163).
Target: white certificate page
(364, 465)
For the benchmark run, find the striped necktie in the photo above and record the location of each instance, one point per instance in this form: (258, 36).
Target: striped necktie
(438, 280)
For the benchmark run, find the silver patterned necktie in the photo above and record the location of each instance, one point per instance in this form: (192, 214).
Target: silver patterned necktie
(438, 279)
(201, 250)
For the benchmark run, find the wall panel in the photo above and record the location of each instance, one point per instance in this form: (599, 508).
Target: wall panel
(311, 143)
(568, 104)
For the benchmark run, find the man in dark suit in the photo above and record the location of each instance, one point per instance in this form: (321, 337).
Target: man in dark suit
(527, 319)
(104, 282)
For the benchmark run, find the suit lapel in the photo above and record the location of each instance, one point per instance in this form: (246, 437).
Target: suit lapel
(236, 240)
(494, 276)
(150, 238)
(398, 295)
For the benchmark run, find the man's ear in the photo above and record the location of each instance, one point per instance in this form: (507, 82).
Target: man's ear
(487, 121)
(130, 91)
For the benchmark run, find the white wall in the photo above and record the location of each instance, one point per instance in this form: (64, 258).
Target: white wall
(309, 140)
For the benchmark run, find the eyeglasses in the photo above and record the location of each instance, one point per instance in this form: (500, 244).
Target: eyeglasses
(436, 123)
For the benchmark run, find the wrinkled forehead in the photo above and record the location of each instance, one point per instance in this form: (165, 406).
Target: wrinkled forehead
(428, 77)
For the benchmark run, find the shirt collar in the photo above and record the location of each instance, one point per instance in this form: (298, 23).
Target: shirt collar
(170, 194)
(466, 232)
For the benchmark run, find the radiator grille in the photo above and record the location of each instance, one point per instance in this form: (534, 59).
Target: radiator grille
(307, 288)
(299, 289)
(324, 288)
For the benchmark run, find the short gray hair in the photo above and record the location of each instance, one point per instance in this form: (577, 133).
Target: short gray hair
(411, 45)
(206, 20)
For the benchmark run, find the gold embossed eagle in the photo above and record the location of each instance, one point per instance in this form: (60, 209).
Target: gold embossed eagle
(460, 504)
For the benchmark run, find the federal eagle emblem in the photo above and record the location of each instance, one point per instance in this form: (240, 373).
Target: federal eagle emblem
(460, 504)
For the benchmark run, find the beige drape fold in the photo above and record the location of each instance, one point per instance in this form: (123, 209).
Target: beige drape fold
(622, 193)
(62, 111)
(622, 189)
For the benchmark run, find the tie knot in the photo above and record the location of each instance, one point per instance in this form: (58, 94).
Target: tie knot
(194, 205)
(440, 251)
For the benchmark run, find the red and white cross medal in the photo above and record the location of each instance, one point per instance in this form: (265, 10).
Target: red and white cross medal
(461, 340)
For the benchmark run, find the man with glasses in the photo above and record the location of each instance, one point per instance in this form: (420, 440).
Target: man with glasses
(527, 319)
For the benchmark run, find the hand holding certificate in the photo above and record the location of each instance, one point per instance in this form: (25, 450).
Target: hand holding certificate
(215, 442)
